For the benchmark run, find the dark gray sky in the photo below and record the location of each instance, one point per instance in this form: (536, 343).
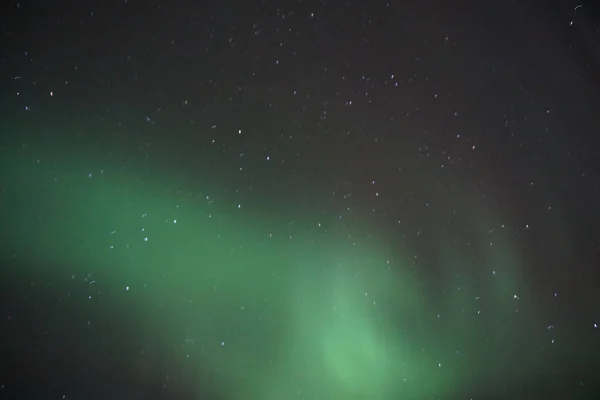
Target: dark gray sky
(360, 199)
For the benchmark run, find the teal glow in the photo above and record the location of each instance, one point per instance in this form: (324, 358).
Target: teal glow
(258, 304)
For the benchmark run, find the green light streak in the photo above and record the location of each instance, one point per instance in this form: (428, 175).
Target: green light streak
(260, 314)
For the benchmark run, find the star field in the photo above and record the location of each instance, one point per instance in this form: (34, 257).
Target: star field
(300, 200)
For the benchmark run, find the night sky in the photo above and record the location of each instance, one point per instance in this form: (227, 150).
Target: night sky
(318, 200)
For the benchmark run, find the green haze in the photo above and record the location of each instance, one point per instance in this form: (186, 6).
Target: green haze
(261, 304)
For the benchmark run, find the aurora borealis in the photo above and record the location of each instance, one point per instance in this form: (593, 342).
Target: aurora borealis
(269, 300)
(281, 203)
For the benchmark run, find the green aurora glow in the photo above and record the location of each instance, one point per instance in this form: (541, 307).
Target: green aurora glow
(263, 305)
